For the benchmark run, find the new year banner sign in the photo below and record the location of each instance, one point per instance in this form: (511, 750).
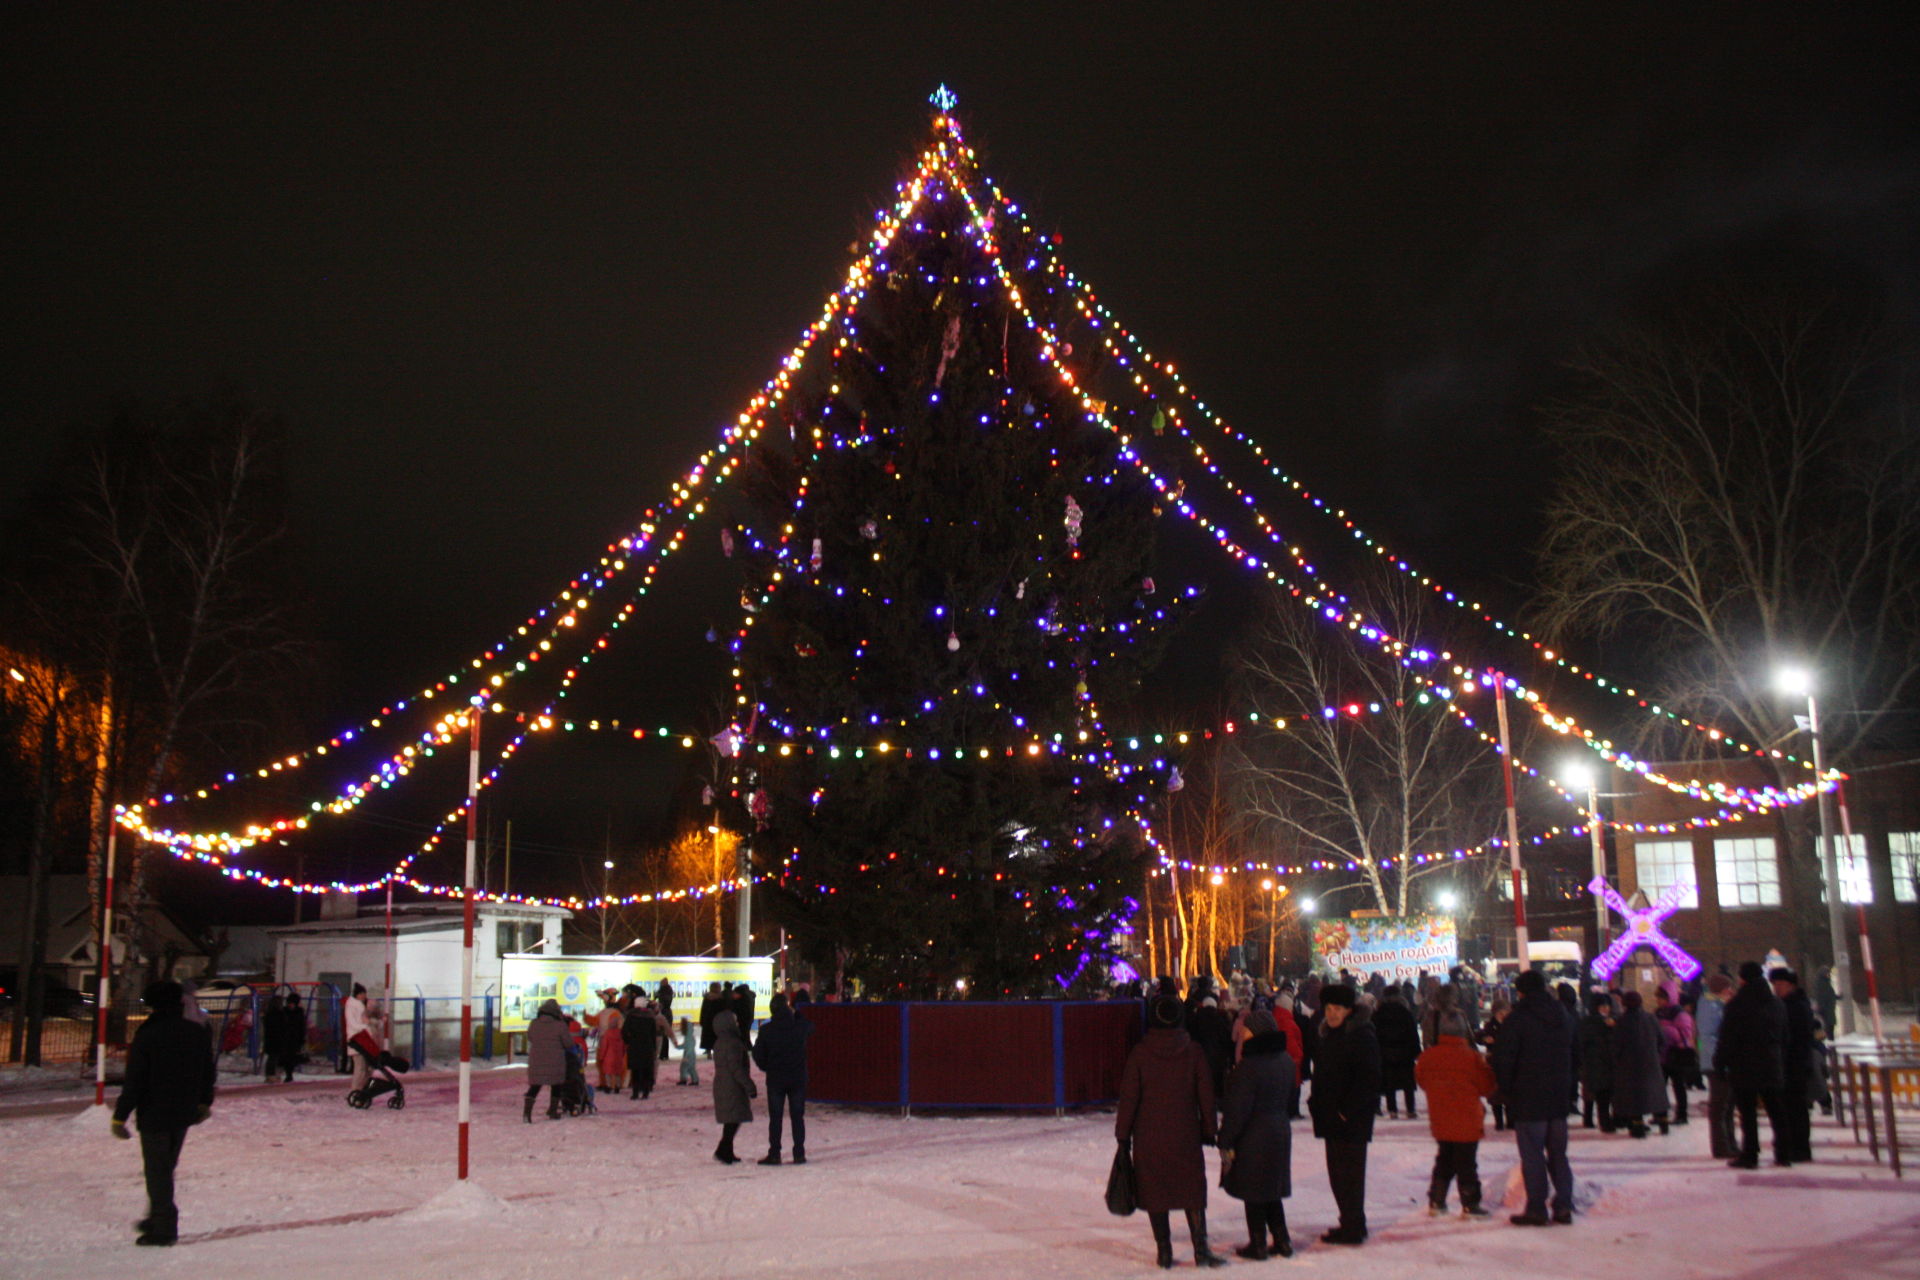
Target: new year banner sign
(1399, 948)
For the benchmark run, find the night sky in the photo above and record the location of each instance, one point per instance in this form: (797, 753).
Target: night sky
(507, 276)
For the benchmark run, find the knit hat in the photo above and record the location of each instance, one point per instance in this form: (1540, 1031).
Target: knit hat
(1260, 1022)
(164, 996)
(1787, 976)
(1719, 982)
(1531, 983)
(1166, 1011)
(1338, 993)
(1750, 971)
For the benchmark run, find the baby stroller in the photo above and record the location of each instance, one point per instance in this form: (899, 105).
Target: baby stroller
(382, 1082)
(575, 1097)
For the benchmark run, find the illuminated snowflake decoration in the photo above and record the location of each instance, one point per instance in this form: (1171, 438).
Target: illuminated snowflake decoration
(1643, 928)
(944, 98)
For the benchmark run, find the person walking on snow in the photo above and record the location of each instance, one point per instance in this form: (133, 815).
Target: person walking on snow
(733, 1087)
(1346, 1092)
(1748, 1054)
(1721, 1142)
(169, 1088)
(548, 1042)
(1638, 1087)
(1455, 1078)
(1533, 1061)
(1256, 1139)
(1797, 1049)
(781, 1054)
(1166, 1116)
(1399, 1035)
(360, 1042)
(1679, 1056)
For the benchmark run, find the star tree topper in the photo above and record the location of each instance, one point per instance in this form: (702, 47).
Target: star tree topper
(1643, 927)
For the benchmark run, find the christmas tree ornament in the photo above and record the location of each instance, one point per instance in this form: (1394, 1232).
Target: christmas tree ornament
(819, 555)
(1159, 422)
(706, 796)
(1020, 592)
(949, 347)
(1074, 516)
(726, 542)
(953, 642)
(1146, 585)
(869, 530)
(1174, 781)
(713, 637)
(729, 741)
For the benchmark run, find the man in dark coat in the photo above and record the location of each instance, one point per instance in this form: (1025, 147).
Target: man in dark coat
(1167, 1115)
(1749, 1056)
(781, 1055)
(1595, 1038)
(1533, 1061)
(643, 1032)
(1639, 1089)
(711, 1003)
(1346, 1090)
(1256, 1138)
(1212, 1030)
(169, 1087)
(1399, 1034)
(1794, 1129)
(742, 1006)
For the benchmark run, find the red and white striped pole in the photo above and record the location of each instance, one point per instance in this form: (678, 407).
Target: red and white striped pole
(104, 994)
(1866, 946)
(466, 941)
(1513, 827)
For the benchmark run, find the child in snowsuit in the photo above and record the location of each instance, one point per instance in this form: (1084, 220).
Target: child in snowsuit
(1455, 1077)
(689, 1054)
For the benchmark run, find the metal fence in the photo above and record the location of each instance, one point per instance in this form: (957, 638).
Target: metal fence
(1034, 1054)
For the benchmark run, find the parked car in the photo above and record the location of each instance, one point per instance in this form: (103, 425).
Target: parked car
(60, 1002)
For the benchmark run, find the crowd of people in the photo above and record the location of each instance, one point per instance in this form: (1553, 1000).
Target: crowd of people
(1224, 1065)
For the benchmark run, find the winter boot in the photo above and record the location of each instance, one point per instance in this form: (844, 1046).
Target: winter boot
(1162, 1240)
(1197, 1229)
(772, 1157)
(526, 1112)
(1255, 1249)
(553, 1108)
(799, 1155)
(1282, 1246)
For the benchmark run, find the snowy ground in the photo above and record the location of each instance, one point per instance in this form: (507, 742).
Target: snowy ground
(288, 1178)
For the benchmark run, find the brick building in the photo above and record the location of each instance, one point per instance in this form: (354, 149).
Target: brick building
(1741, 896)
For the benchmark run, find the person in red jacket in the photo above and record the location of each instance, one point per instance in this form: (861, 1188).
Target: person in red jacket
(1455, 1078)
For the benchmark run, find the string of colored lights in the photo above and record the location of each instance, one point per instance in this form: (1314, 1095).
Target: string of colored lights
(1088, 304)
(1175, 496)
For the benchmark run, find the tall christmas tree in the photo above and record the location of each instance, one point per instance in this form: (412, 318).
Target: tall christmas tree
(948, 582)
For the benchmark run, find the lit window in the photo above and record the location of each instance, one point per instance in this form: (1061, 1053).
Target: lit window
(1906, 865)
(1661, 864)
(1856, 883)
(1748, 871)
(1504, 883)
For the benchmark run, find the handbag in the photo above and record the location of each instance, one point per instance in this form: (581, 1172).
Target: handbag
(1121, 1199)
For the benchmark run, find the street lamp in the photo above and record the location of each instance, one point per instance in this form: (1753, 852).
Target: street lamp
(1308, 906)
(606, 892)
(1798, 682)
(1448, 900)
(1582, 776)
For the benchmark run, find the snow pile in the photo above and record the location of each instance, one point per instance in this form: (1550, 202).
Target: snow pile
(467, 1201)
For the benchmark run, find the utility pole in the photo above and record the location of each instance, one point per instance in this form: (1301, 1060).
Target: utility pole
(1513, 826)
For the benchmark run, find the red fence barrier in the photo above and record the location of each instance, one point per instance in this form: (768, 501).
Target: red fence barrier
(1020, 1054)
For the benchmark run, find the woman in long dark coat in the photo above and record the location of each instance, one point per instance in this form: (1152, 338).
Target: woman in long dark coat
(1399, 1034)
(1638, 1087)
(733, 1087)
(1256, 1138)
(1166, 1114)
(1596, 1061)
(547, 1042)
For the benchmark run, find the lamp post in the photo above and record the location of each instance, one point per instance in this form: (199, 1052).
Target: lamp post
(1580, 775)
(1499, 682)
(606, 892)
(1798, 682)
(1273, 912)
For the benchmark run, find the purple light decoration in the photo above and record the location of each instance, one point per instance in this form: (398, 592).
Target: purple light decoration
(1643, 927)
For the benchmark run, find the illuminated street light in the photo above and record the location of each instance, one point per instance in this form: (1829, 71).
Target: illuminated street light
(1449, 900)
(1798, 682)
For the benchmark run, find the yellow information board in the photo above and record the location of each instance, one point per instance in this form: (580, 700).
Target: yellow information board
(526, 981)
